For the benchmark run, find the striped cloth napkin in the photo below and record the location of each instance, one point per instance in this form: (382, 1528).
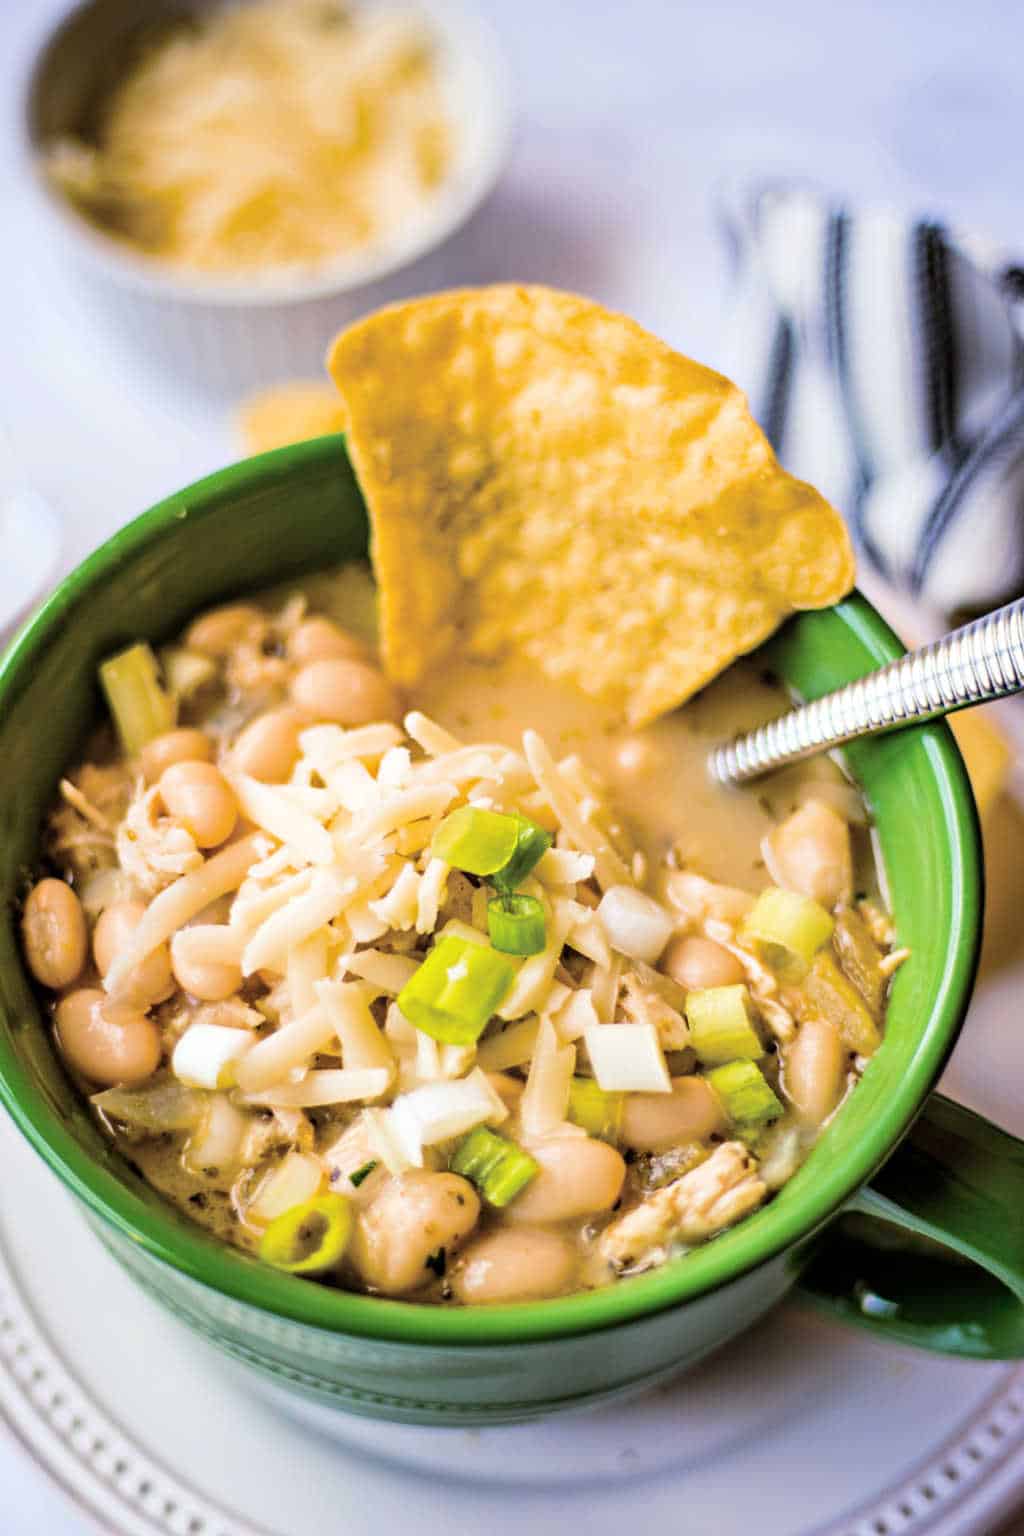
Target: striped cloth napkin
(885, 360)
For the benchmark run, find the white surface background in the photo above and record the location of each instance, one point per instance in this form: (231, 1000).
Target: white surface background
(629, 114)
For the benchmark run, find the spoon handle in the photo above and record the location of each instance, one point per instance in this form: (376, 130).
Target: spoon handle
(984, 660)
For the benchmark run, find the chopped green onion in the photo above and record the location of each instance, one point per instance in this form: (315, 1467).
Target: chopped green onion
(532, 843)
(140, 707)
(597, 1111)
(745, 1094)
(489, 843)
(787, 929)
(721, 1026)
(309, 1238)
(498, 1167)
(516, 925)
(477, 841)
(456, 990)
(362, 1174)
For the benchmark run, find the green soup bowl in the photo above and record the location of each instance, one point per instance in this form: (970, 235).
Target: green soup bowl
(896, 1173)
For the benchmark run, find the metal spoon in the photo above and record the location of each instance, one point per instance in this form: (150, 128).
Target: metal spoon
(982, 661)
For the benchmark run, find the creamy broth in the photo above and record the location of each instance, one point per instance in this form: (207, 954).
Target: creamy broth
(663, 1170)
(656, 777)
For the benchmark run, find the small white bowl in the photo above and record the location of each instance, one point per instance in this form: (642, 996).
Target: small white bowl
(226, 334)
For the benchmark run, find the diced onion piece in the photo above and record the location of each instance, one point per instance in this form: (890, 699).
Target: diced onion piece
(347, 1006)
(634, 923)
(428, 1058)
(311, 1238)
(456, 990)
(385, 1142)
(217, 1144)
(297, 1178)
(627, 1058)
(575, 1015)
(275, 813)
(353, 1165)
(140, 707)
(179, 903)
(722, 1025)
(387, 974)
(439, 1111)
(163, 1104)
(545, 1100)
(787, 930)
(207, 1055)
(497, 1166)
(318, 1089)
(287, 1049)
(514, 1046)
(599, 1113)
(326, 898)
(746, 1096)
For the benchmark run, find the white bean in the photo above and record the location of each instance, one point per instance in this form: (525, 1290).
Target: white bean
(410, 1221)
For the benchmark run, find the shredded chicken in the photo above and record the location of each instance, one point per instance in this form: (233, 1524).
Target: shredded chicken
(880, 924)
(81, 828)
(645, 1005)
(711, 1196)
(762, 983)
(281, 1128)
(250, 671)
(153, 848)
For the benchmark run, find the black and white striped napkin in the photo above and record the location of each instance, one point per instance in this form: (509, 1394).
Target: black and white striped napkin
(885, 360)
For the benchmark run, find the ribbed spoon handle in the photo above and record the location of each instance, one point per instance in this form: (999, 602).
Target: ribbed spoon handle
(984, 660)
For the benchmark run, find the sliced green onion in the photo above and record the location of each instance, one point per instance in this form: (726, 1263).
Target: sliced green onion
(498, 1167)
(140, 707)
(456, 990)
(745, 1094)
(309, 1238)
(477, 841)
(787, 930)
(721, 1025)
(532, 843)
(516, 925)
(362, 1174)
(597, 1111)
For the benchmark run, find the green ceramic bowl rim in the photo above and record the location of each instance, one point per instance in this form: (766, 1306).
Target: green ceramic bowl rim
(773, 1230)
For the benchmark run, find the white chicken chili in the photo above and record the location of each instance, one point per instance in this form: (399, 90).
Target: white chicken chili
(473, 1001)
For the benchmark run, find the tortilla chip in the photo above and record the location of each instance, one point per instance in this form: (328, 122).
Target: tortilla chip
(545, 477)
(289, 413)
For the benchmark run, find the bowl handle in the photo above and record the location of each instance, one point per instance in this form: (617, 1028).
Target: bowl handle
(956, 1180)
